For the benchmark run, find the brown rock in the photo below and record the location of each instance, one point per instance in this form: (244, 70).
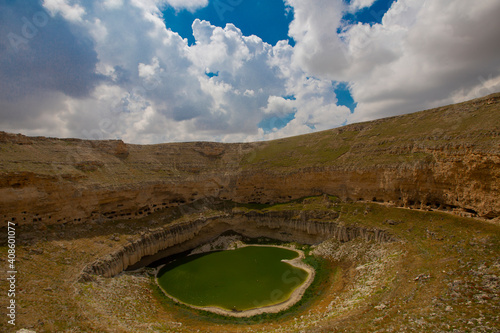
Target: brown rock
(426, 164)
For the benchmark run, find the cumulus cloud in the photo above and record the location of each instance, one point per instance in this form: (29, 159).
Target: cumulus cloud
(121, 73)
(423, 54)
(356, 5)
(440, 54)
(41, 52)
(71, 12)
(111, 69)
(319, 49)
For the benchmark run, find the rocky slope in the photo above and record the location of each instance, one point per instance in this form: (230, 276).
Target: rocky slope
(445, 158)
(292, 226)
(442, 273)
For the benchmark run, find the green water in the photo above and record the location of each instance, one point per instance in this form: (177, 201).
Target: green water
(242, 279)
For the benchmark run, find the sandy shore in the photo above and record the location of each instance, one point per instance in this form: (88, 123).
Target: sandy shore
(275, 308)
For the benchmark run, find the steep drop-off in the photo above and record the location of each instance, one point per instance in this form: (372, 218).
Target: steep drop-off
(282, 225)
(441, 274)
(445, 158)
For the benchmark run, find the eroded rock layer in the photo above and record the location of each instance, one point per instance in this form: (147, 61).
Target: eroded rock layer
(282, 225)
(446, 158)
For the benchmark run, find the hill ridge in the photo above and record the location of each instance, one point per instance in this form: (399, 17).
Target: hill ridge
(443, 158)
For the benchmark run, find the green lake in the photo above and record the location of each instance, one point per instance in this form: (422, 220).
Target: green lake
(236, 280)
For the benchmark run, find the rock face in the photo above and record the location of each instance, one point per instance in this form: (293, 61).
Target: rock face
(281, 225)
(447, 158)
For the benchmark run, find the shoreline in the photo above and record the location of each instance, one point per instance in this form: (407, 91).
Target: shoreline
(295, 296)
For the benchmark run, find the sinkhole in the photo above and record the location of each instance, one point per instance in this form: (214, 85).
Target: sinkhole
(241, 282)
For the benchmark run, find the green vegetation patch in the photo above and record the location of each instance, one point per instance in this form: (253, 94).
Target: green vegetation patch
(236, 280)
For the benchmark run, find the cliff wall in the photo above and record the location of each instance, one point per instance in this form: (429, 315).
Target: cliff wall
(296, 226)
(446, 158)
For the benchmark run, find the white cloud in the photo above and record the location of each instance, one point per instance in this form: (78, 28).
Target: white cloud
(277, 105)
(360, 4)
(126, 75)
(18, 116)
(434, 51)
(147, 71)
(112, 4)
(69, 12)
(423, 54)
(318, 47)
(190, 5)
(316, 105)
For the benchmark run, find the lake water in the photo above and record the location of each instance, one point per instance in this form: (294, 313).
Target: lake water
(236, 280)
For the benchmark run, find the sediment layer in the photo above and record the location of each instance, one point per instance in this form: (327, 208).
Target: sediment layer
(446, 158)
(281, 225)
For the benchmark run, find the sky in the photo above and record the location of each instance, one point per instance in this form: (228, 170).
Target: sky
(152, 71)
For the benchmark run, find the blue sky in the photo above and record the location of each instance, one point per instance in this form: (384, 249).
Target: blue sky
(371, 15)
(156, 71)
(268, 20)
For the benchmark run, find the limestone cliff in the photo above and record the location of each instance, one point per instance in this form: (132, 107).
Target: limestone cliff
(282, 225)
(446, 158)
